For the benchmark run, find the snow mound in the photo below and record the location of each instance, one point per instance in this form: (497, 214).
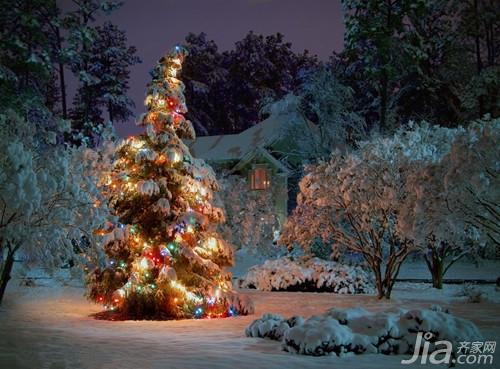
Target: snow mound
(307, 274)
(358, 331)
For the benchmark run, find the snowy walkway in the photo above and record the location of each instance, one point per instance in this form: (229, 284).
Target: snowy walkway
(48, 327)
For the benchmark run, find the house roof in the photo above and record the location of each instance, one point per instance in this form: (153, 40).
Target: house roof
(236, 146)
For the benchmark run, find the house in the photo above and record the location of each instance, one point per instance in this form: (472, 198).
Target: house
(265, 154)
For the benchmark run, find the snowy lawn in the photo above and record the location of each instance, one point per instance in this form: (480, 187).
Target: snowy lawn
(50, 327)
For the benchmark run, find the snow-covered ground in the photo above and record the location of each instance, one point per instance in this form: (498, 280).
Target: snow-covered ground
(49, 327)
(463, 269)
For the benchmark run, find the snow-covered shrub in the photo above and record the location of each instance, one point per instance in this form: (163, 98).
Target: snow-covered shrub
(358, 331)
(307, 274)
(272, 326)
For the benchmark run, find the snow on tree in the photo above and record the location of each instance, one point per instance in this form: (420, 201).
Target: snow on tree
(353, 200)
(330, 104)
(472, 179)
(426, 188)
(165, 258)
(100, 59)
(49, 200)
(110, 63)
(425, 216)
(452, 205)
(251, 216)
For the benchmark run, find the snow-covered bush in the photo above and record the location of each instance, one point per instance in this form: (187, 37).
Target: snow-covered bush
(272, 326)
(49, 199)
(358, 331)
(307, 274)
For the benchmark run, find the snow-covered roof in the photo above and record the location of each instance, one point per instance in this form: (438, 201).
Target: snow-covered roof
(236, 146)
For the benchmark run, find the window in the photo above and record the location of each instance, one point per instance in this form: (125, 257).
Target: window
(259, 179)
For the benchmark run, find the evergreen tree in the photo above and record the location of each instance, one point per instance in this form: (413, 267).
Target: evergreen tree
(205, 77)
(109, 65)
(328, 103)
(90, 61)
(259, 70)
(166, 259)
(374, 38)
(479, 27)
(26, 50)
(430, 89)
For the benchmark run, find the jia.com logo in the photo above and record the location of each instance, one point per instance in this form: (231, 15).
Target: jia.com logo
(477, 352)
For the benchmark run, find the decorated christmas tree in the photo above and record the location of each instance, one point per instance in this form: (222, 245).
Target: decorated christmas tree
(165, 259)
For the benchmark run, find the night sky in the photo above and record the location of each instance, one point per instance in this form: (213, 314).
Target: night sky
(153, 26)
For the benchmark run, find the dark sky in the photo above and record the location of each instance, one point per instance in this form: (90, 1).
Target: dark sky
(154, 26)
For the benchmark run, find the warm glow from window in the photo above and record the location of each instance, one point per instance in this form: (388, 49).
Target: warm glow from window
(259, 179)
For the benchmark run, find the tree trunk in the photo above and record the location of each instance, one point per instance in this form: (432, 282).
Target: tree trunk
(383, 102)
(62, 82)
(479, 63)
(5, 276)
(436, 267)
(110, 112)
(390, 278)
(388, 288)
(477, 39)
(437, 275)
(379, 284)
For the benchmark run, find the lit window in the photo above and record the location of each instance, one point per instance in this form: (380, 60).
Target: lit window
(259, 179)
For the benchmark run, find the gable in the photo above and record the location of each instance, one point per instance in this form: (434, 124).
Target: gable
(261, 156)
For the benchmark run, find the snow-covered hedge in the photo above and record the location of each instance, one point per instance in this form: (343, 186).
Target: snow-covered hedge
(359, 331)
(307, 274)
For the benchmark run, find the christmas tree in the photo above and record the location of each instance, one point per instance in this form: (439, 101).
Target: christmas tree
(165, 259)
